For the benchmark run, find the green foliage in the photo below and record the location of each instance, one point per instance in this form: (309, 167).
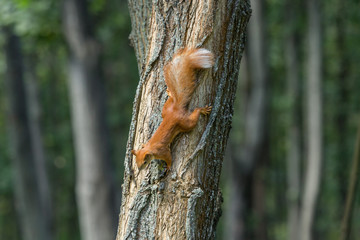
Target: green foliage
(38, 24)
(8, 226)
(31, 18)
(341, 87)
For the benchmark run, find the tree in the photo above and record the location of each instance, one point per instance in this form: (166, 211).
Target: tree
(184, 204)
(294, 153)
(238, 210)
(31, 186)
(254, 151)
(248, 159)
(313, 121)
(352, 190)
(94, 185)
(35, 124)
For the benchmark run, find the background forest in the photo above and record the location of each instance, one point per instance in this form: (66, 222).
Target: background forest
(293, 140)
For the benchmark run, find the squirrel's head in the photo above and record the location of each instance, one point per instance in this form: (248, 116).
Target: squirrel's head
(142, 156)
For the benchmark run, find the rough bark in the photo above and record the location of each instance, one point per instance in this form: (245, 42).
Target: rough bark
(313, 121)
(353, 186)
(185, 204)
(29, 199)
(294, 132)
(94, 184)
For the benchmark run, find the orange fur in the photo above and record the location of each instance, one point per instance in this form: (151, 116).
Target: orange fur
(180, 80)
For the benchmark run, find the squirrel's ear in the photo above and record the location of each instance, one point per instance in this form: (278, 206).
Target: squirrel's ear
(134, 152)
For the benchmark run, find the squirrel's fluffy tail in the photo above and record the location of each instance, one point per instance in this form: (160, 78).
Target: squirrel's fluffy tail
(180, 74)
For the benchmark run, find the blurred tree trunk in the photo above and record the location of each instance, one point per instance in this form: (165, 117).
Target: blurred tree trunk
(313, 120)
(94, 185)
(346, 198)
(239, 206)
(343, 97)
(294, 131)
(255, 152)
(352, 189)
(32, 199)
(185, 204)
(34, 110)
(248, 162)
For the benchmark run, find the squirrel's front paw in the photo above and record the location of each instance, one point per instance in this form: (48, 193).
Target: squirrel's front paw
(206, 110)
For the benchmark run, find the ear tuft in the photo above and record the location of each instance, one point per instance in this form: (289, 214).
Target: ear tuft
(134, 152)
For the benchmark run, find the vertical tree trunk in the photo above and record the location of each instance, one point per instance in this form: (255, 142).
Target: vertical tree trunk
(29, 200)
(343, 97)
(256, 110)
(255, 149)
(346, 198)
(238, 208)
(94, 184)
(353, 186)
(313, 120)
(294, 132)
(239, 205)
(185, 204)
(34, 110)
(248, 161)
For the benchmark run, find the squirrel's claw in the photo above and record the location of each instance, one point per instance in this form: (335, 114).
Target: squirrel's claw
(206, 110)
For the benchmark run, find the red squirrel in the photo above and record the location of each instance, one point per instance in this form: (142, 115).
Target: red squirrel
(180, 81)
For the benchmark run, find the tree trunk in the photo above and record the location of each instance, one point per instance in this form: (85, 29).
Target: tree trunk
(353, 186)
(94, 184)
(314, 121)
(254, 152)
(34, 108)
(238, 208)
(239, 205)
(185, 204)
(248, 162)
(29, 198)
(343, 97)
(294, 131)
(342, 119)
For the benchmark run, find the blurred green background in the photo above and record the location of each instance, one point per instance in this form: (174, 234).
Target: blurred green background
(38, 25)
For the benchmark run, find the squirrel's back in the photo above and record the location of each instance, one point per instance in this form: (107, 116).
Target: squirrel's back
(180, 72)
